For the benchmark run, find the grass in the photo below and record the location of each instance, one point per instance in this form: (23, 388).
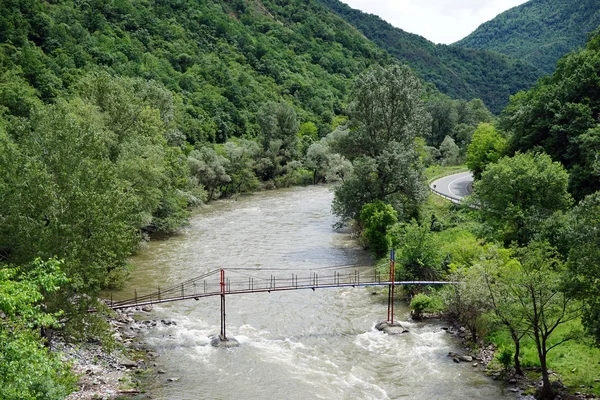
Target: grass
(576, 362)
(435, 171)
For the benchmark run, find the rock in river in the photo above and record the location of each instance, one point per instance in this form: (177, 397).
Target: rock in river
(391, 329)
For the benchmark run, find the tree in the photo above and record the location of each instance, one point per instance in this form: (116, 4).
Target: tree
(486, 147)
(376, 218)
(560, 115)
(538, 288)
(394, 177)
(418, 251)
(450, 152)
(241, 156)
(584, 261)
(308, 133)
(325, 163)
(444, 118)
(519, 193)
(467, 301)
(497, 270)
(209, 169)
(28, 370)
(279, 128)
(387, 107)
(387, 114)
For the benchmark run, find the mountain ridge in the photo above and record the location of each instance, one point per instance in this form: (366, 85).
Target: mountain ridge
(538, 31)
(455, 71)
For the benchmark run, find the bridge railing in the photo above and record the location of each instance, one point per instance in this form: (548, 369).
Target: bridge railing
(241, 281)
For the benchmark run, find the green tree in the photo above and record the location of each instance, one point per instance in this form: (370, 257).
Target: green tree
(516, 195)
(560, 115)
(279, 127)
(444, 118)
(28, 370)
(584, 261)
(209, 169)
(241, 155)
(486, 147)
(538, 288)
(418, 251)
(308, 133)
(387, 115)
(497, 269)
(449, 151)
(376, 219)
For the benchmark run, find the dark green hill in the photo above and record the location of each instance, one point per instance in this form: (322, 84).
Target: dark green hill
(222, 59)
(457, 72)
(539, 31)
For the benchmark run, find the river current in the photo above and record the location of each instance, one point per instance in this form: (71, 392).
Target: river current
(297, 344)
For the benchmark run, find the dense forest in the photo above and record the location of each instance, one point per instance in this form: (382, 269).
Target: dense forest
(459, 73)
(539, 32)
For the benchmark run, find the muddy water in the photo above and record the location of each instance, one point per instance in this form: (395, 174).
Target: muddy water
(294, 345)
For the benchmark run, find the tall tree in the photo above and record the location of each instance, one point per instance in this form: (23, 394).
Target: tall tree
(539, 290)
(486, 147)
(584, 261)
(386, 116)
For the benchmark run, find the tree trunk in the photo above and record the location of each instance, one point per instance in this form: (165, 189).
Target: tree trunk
(547, 391)
(517, 360)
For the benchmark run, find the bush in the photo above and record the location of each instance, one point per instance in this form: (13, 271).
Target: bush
(419, 304)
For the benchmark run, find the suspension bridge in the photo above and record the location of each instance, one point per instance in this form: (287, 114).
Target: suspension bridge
(231, 281)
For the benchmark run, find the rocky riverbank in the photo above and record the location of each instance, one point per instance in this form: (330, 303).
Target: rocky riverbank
(482, 356)
(122, 372)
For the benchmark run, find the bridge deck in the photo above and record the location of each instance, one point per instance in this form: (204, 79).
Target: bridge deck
(215, 284)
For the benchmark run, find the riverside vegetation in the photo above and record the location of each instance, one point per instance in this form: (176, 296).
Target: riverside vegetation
(117, 117)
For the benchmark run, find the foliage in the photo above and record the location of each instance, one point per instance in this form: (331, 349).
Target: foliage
(241, 155)
(486, 147)
(450, 152)
(538, 288)
(27, 369)
(505, 357)
(209, 169)
(419, 304)
(386, 115)
(539, 31)
(497, 269)
(376, 218)
(325, 162)
(533, 188)
(220, 60)
(418, 254)
(584, 261)
(560, 115)
(456, 72)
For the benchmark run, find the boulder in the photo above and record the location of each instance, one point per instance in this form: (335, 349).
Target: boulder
(127, 363)
(391, 329)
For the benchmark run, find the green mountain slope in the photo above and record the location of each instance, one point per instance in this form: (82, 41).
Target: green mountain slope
(221, 59)
(539, 31)
(457, 72)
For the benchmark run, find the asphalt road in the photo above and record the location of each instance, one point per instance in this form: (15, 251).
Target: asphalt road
(454, 186)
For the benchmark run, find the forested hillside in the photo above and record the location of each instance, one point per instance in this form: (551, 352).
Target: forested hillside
(221, 58)
(459, 73)
(539, 31)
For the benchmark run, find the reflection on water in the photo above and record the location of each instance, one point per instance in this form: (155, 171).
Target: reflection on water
(294, 345)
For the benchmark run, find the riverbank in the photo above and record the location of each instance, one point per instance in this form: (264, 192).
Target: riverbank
(121, 373)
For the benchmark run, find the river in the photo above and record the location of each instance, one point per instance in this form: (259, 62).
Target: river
(297, 344)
